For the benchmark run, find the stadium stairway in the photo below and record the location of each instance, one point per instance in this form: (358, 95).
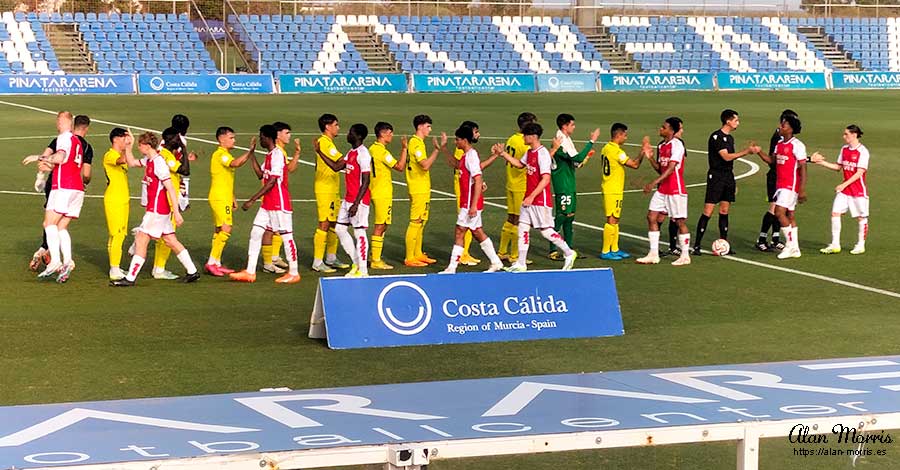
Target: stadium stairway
(71, 51)
(613, 53)
(372, 50)
(816, 36)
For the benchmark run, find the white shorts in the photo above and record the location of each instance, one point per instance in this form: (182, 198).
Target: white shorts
(858, 206)
(786, 198)
(67, 202)
(471, 223)
(539, 217)
(274, 221)
(360, 220)
(156, 225)
(675, 205)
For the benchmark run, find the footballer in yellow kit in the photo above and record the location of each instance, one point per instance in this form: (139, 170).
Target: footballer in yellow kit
(221, 195)
(515, 190)
(614, 161)
(327, 188)
(382, 187)
(116, 200)
(418, 180)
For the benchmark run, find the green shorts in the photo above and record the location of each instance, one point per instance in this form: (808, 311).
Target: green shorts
(564, 204)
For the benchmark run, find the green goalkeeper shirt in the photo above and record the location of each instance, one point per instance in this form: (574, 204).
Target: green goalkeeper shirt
(562, 173)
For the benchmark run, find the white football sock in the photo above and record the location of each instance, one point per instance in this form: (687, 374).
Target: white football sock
(557, 240)
(487, 246)
(185, 258)
(135, 267)
(290, 250)
(362, 250)
(455, 254)
(863, 231)
(65, 246)
(52, 232)
(524, 242)
(654, 242)
(346, 240)
(836, 231)
(684, 239)
(256, 235)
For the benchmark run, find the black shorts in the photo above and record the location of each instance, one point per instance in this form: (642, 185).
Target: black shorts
(770, 186)
(720, 188)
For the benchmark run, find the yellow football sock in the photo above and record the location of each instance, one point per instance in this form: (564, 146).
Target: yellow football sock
(276, 248)
(467, 240)
(377, 246)
(504, 239)
(412, 233)
(331, 243)
(419, 239)
(513, 240)
(218, 244)
(319, 241)
(608, 231)
(267, 254)
(615, 238)
(161, 255)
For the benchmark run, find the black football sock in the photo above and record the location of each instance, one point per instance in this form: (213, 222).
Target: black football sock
(673, 235)
(701, 229)
(765, 226)
(723, 226)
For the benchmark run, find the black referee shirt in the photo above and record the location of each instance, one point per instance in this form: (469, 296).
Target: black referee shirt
(719, 141)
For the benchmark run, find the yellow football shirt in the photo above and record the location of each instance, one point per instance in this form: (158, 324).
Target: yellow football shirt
(382, 164)
(221, 184)
(173, 165)
(515, 177)
(327, 180)
(116, 177)
(613, 179)
(417, 178)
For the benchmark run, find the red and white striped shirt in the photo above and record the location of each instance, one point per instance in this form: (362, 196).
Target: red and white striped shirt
(672, 151)
(68, 173)
(359, 161)
(469, 168)
(788, 156)
(850, 160)
(279, 197)
(537, 163)
(155, 174)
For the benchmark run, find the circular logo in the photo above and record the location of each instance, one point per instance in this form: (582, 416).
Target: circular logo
(406, 328)
(223, 84)
(553, 82)
(157, 83)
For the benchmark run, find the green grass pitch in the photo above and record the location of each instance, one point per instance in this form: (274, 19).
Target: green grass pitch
(86, 341)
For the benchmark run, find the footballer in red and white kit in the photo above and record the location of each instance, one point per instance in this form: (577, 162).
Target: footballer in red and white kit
(275, 214)
(65, 199)
(471, 201)
(789, 155)
(853, 192)
(162, 211)
(670, 196)
(357, 165)
(537, 206)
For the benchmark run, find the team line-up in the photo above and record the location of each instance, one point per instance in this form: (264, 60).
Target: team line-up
(540, 193)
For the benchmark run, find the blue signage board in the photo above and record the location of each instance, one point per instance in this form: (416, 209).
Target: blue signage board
(848, 80)
(202, 83)
(477, 83)
(567, 82)
(467, 308)
(786, 394)
(655, 81)
(772, 81)
(66, 84)
(351, 83)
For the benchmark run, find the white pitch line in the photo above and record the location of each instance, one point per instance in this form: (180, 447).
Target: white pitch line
(100, 196)
(820, 277)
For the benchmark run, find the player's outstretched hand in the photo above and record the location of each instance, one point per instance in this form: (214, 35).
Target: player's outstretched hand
(648, 188)
(178, 219)
(816, 157)
(404, 142)
(595, 134)
(252, 144)
(646, 148)
(246, 205)
(30, 159)
(497, 149)
(45, 167)
(192, 156)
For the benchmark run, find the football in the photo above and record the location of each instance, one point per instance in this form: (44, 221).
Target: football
(721, 247)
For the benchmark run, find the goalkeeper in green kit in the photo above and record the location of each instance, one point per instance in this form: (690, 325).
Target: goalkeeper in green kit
(565, 160)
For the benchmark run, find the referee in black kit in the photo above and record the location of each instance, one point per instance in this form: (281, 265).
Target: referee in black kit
(720, 185)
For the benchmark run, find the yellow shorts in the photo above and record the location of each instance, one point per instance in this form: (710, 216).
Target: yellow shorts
(612, 204)
(116, 216)
(328, 205)
(419, 206)
(222, 212)
(383, 208)
(514, 201)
